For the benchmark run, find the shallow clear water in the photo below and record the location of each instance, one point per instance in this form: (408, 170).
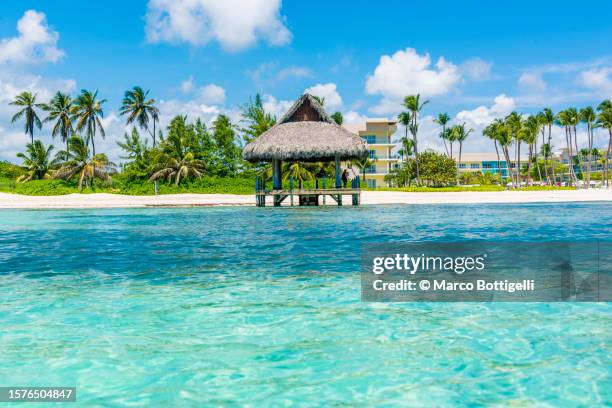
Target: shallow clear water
(212, 306)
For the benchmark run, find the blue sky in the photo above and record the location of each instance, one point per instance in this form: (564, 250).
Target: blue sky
(474, 60)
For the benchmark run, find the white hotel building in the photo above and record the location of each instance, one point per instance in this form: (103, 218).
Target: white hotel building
(377, 133)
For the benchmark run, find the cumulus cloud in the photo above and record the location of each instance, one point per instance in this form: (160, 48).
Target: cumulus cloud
(276, 107)
(598, 79)
(483, 115)
(406, 72)
(235, 25)
(36, 42)
(353, 118)
(188, 85)
(329, 91)
(532, 81)
(212, 94)
(272, 72)
(477, 69)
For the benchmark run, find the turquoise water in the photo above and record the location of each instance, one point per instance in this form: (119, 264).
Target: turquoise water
(261, 307)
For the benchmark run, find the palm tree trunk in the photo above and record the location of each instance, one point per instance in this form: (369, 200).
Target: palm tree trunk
(608, 158)
(444, 139)
(529, 165)
(416, 149)
(570, 153)
(545, 154)
(518, 163)
(580, 165)
(459, 163)
(498, 161)
(507, 155)
(590, 136)
(549, 153)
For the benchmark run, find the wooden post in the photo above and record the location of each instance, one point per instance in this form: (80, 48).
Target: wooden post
(291, 189)
(277, 177)
(324, 186)
(338, 177)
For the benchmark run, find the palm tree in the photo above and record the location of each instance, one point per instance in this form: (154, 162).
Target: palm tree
(140, 109)
(59, 109)
(442, 120)
(36, 160)
(363, 165)
(605, 120)
(27, 101)
(77, 162)
(515, 123)
(461, 136)
(489, 132)
(548, 119)
(574, 121)
(529, 134)
(588, 116)
(404, 119)
(414, 106)
(169, 167)
(502, 134)
(257, 119)
(564, 119)
(87, 112)
(337, 117)
(297, 171)
(605, 105)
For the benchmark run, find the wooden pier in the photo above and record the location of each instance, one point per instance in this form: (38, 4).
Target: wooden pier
(313, 197)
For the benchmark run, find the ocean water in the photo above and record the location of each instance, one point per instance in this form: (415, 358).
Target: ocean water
(261, 307)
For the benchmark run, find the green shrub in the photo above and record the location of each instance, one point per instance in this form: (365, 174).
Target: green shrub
(10, 171)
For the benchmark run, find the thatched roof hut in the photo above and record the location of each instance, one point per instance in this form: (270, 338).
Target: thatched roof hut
(305, 133)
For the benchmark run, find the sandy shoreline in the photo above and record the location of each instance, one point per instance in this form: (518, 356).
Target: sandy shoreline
(368, 197)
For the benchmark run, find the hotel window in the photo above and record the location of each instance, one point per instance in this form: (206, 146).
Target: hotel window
(370, 169)
(474, 166)
(371, 183)
(370, 139)
(372, 154)
(487, 166)
(462, 166)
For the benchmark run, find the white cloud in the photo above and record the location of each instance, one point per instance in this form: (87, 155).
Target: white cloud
(482, 115)
(212, 94)
(532, 81)
(271, 72)
(235, 24)
(293, 72)
(329, 91)
(353, 118)
(407, 72)
(36, 42)
(275, 107)
(598, 79)
(188, 85)
(477, 69)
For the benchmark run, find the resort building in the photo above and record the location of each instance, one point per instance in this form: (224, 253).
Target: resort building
(484, 163)
(377, 133)
(597, 161)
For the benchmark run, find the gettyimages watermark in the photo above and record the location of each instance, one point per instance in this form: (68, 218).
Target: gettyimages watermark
(487, 271)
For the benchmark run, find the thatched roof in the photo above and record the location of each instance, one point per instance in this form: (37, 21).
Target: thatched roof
(305, 132)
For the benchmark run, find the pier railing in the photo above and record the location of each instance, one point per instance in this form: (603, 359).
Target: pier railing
(307, 197)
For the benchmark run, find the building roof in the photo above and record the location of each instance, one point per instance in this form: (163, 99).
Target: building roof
(362, 126)
(305, 132)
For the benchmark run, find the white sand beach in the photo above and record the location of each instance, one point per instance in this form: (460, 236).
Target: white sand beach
(368, 198)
